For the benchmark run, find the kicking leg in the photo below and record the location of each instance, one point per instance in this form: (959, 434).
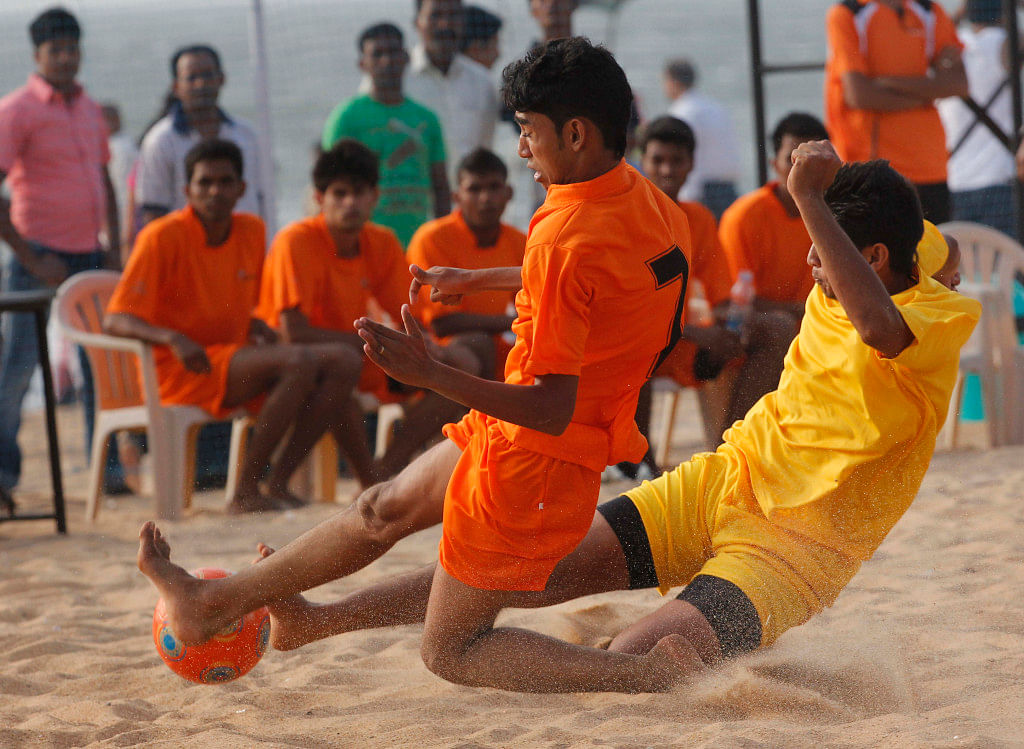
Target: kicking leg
(597, 565)
(380, 517)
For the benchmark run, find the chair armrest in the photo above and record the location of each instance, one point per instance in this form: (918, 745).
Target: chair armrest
(104, 340)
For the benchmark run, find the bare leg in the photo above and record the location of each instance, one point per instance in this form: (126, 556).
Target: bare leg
(329, 406)
(715, 398)
(287, 375)
(382, 515)
(597, 565)
(422, 421)
(461, 645)
(772, 334)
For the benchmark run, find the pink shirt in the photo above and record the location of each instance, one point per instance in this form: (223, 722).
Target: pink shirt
(54, 152)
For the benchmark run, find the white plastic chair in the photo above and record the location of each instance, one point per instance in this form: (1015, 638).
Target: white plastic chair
(125, 403)
(990, 262)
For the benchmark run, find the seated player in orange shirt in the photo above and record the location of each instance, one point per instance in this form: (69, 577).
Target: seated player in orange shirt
(190, 288)
(762, 232)
(600, 305)
(472, 236)
(699, 360)
(325, 271)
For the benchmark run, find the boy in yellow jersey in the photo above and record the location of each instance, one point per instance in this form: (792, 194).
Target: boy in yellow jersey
(768, 530)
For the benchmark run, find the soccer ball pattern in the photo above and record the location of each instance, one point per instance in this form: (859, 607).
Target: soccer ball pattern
(229, 654)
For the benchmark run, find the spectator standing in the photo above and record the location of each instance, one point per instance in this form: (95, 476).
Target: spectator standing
(981, 168)
(480, 36)
(404, 134)
(458, 89)
(123, 153)
(888, 61)
(554, 17)
(53, 147)
(715, 169)
(193, 115)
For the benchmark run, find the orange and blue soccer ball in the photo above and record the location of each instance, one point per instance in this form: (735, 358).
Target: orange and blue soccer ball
(229, 654)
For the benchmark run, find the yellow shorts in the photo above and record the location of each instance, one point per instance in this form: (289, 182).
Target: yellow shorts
(702, 518)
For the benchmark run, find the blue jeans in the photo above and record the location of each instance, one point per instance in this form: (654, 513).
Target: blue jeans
(992, 206)
(19, 355)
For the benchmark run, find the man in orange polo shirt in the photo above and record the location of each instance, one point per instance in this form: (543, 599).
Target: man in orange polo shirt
(888, 61)
(189, 289)
(473, 236)
(762, 232)
(325, 271)
(600, 305)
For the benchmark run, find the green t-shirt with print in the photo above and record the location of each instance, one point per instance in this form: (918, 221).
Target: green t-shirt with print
(407, 138)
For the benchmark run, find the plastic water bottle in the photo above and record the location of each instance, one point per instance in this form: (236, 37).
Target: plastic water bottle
(698, 309)
(741, 301)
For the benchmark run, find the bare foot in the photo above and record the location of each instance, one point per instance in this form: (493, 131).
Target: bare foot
(671, 661)
(284, 497)
(289, 617)
(254, 501)
(191, 616)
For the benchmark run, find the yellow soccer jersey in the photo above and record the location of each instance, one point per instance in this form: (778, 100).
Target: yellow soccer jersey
(838, 452)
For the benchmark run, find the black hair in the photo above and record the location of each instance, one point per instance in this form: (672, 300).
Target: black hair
(478, 25)
(800, 125)
(379, 31)
(193, 49)
(481, 161)
(873, 204)
(54, 23)
(347, 159)
(682, 72)
(668, 129)
(984, 11)
(213, 149)
(568, 78)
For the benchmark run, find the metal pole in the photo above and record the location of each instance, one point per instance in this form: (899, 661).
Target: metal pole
(258, 50)
(757, 84)
(1012, 38)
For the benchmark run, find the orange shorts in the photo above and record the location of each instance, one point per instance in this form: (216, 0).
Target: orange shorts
(510, 514)
(180, 387)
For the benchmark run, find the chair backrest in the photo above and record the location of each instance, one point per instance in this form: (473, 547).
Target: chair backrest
(986, 255)
(79, 307)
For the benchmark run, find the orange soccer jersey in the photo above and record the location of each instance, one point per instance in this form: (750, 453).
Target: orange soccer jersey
(174, 279)
(709, 266)
(604, 278)
(303, 271)
(873, 39)
(449, 241)
(758, 234)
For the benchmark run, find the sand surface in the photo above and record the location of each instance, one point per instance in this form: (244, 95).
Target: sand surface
(924, 648)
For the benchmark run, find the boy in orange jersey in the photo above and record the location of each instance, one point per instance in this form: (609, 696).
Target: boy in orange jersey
(599, 306)
(325, 271)
(473, 236)
(762, 232)
(189, 289)
(667, 148)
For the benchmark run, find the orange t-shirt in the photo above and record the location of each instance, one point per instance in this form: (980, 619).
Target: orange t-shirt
(174, 279)
(758, 234)
(449, 241)
(878, 41)
(709, 266)
(604, 279)
(303, 270)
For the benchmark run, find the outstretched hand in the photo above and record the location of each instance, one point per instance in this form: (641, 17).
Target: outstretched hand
(407, 356)
(447, 285)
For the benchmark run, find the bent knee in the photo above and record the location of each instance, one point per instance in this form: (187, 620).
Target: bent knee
(390, 515)
(440, 661)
